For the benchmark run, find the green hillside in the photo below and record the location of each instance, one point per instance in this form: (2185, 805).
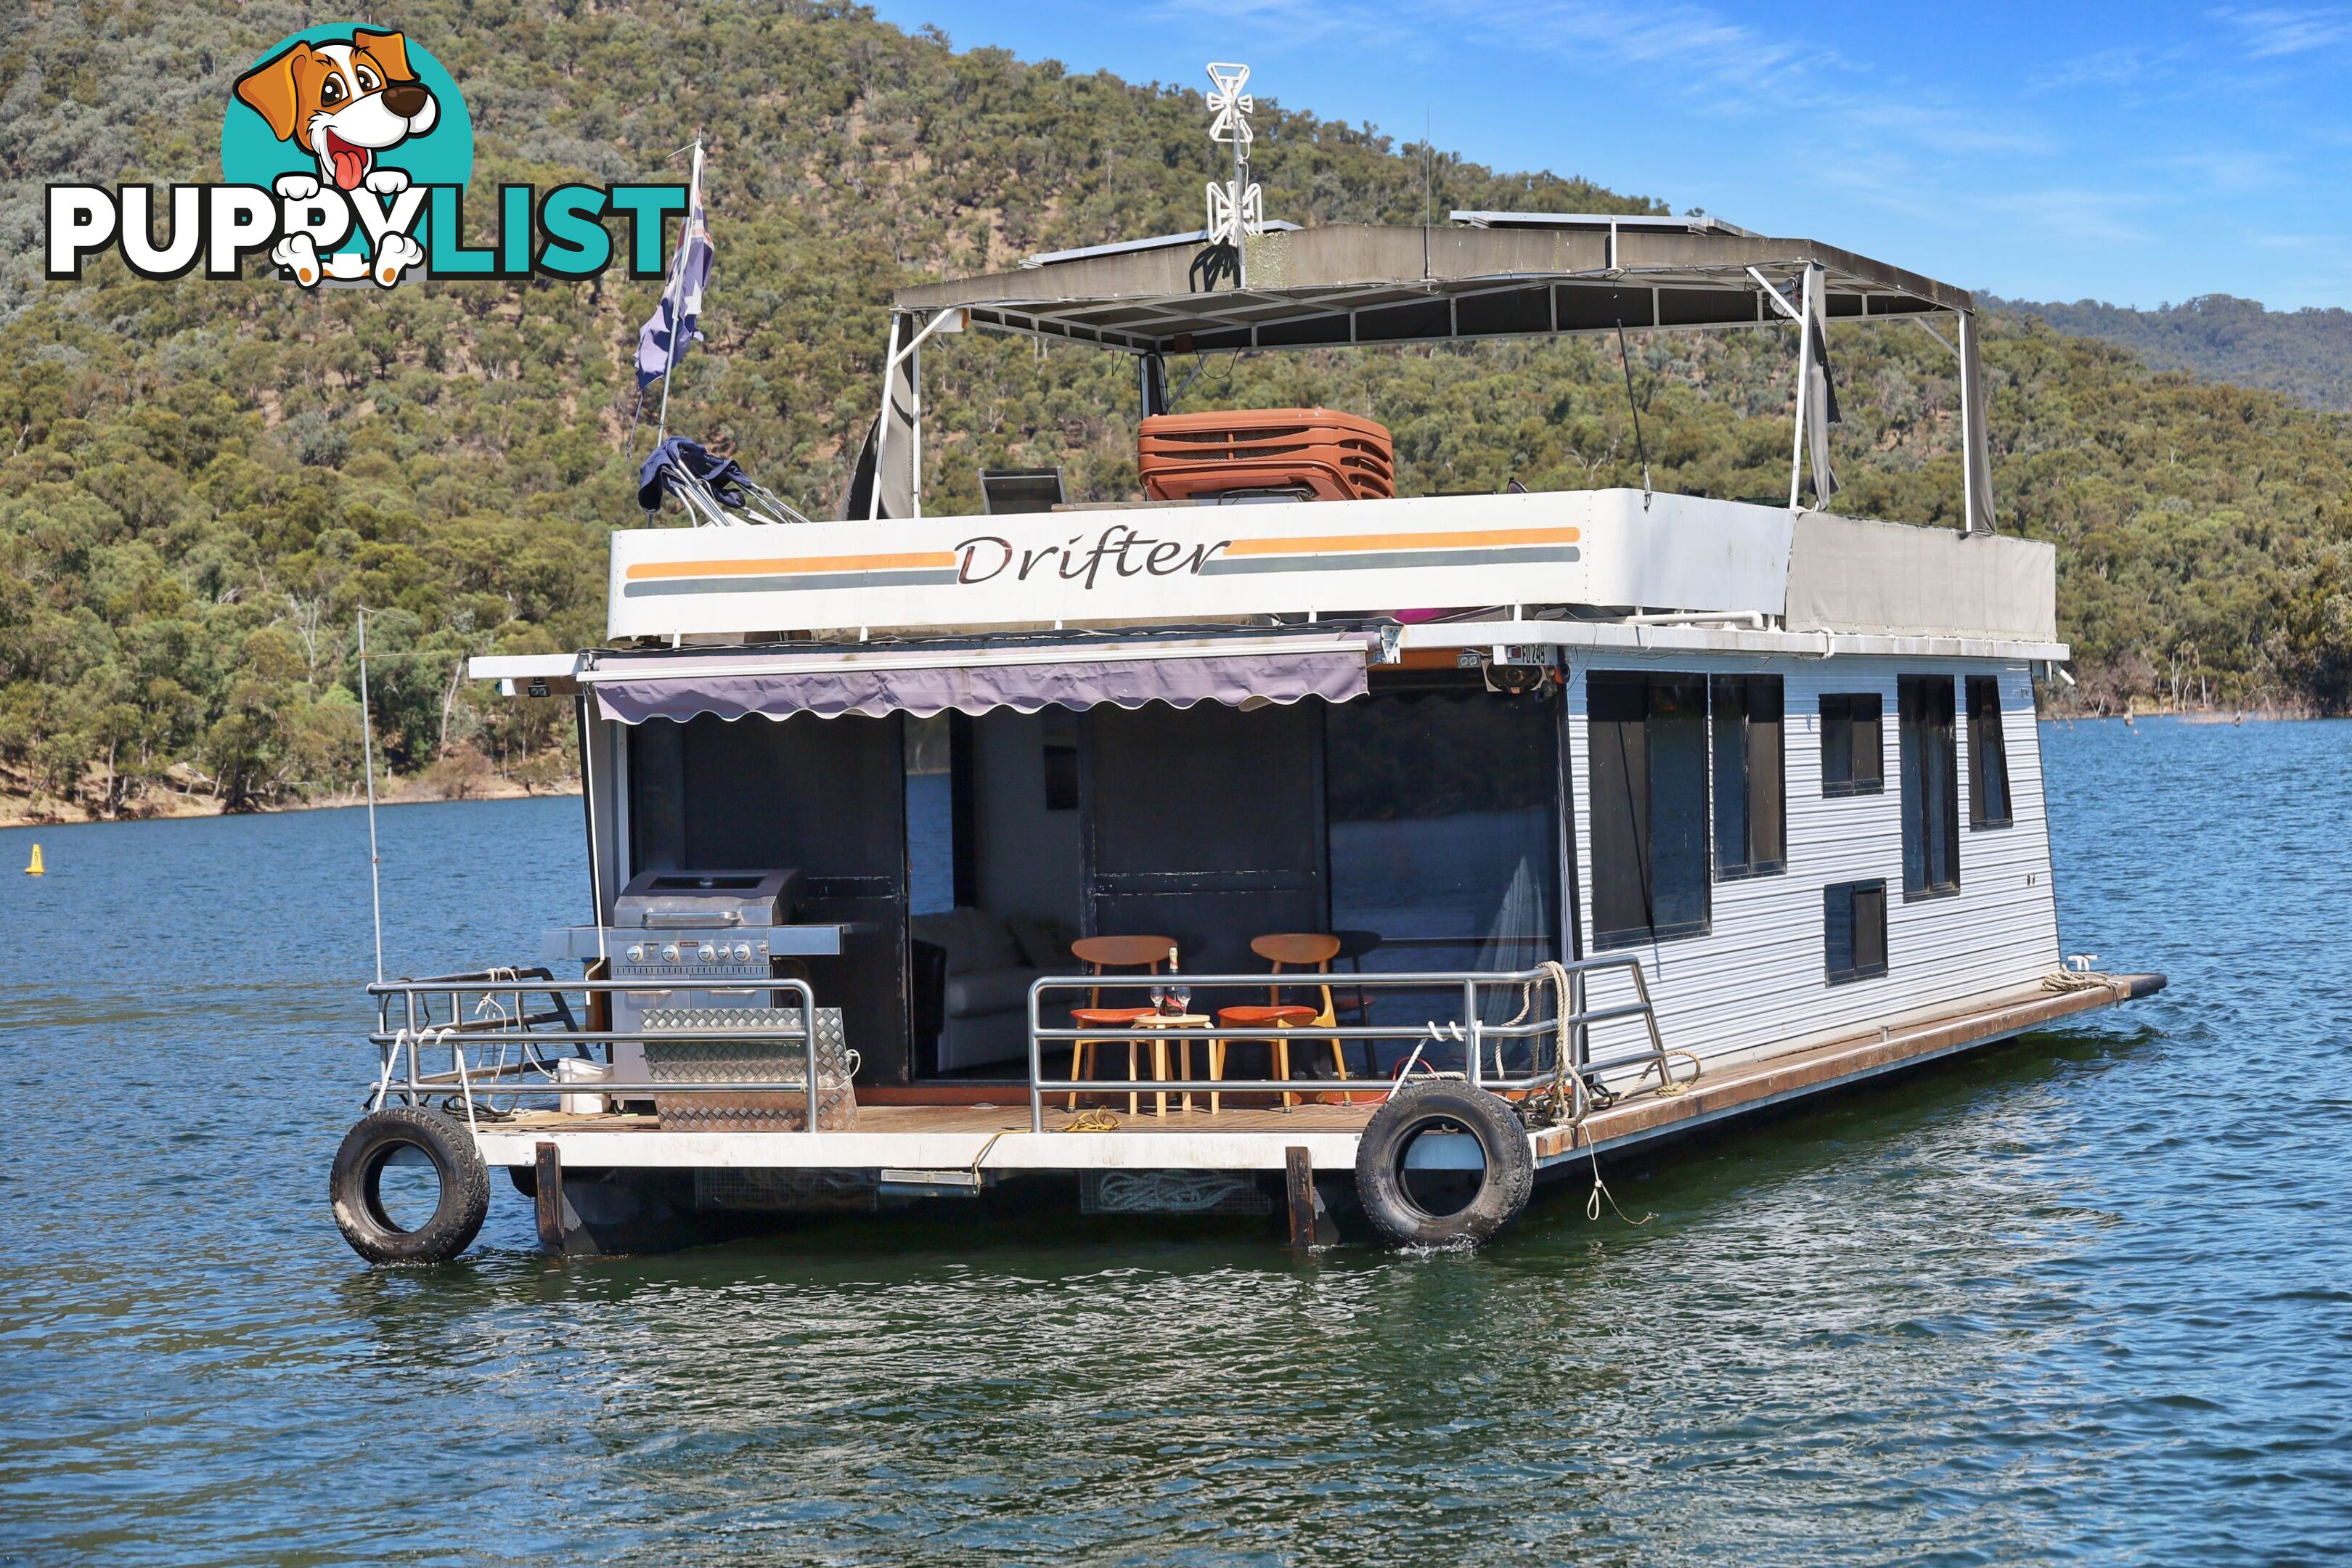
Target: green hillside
(2306, 353)
(200, 483)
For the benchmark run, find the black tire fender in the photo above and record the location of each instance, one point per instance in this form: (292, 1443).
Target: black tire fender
(355, 1186)
(1434, 1105)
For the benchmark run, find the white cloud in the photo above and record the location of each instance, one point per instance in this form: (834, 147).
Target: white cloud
(2271, 34)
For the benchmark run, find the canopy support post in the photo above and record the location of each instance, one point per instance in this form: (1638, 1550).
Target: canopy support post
(1975, 454)
(1804, 398)
(1152, 376)
(882, 423)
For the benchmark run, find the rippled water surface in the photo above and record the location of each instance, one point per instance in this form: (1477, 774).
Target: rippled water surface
(2084, 1297)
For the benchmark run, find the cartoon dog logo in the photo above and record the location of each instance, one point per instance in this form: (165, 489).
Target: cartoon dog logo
(343, 103)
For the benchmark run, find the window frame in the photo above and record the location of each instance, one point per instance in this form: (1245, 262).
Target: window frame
(1981, 724)
(1852, 894)
(1754, 740)
(1610, 761)
(1846, 787)
(1937, 726)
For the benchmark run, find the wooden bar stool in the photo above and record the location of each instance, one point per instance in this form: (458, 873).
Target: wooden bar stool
(1100, 954)
(1299, 950)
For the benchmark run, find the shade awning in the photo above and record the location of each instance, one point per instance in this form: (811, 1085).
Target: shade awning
(979, 680)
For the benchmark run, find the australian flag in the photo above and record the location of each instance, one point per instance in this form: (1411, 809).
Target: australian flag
(671, 327)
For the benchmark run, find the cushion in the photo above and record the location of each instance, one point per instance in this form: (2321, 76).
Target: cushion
(988, 991)
(992, 943)
(1045, 942)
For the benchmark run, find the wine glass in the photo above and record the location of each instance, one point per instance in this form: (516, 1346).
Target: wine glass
(1159, 997)
(1183, 995)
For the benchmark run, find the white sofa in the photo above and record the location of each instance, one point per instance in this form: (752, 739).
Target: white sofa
(990, 961)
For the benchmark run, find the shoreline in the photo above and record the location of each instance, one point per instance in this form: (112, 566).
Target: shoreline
(48, 811)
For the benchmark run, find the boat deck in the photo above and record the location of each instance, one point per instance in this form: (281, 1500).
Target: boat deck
(996, 1137)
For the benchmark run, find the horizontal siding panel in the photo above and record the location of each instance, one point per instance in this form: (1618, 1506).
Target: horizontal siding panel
(1758, 978)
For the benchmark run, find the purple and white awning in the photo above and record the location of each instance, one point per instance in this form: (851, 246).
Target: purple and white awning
(731, 686)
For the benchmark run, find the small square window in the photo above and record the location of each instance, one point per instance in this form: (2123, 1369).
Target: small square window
(1854, 929)
(1854, 757)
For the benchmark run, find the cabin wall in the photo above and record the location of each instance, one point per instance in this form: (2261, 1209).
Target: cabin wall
(1757, 977)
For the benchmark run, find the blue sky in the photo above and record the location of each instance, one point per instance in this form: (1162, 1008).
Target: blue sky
(2130, 154)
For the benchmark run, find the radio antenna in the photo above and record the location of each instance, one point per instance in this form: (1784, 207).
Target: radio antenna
(1236, 209)
(367, 757)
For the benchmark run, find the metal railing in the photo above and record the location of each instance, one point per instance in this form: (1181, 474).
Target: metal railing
(1568, 1017)
(487, 1015)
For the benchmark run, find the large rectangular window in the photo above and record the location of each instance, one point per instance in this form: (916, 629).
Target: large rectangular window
(1650, 821)
(1444, 810)
(1854, 929)
(1988, 755)
(1853, 744)
(1931, 786)
(1751, 825)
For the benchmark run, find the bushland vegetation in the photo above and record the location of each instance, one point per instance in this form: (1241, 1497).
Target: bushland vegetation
(202, 483)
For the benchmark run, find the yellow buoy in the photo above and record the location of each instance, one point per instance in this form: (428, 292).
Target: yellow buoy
(36, 869)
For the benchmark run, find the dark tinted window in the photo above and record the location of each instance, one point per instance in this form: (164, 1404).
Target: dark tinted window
(1750, 819)
(1854, 929)
(1440, 862)
(1650, 820)
(1988, 755)
(1853, 745)
(1931, 786)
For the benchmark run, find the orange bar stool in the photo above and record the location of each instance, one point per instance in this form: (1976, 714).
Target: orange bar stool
(1101, 954)
(1299, 950)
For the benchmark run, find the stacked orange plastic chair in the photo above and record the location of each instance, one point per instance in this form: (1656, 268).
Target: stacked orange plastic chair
(1330, 456)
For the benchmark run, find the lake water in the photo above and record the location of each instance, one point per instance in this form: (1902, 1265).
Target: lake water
(2085, 1298)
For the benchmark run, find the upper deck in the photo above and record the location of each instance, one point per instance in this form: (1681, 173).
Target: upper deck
(1581, 556)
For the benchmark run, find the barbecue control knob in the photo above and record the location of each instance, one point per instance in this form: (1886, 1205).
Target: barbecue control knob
(743, 952)
(637, 953)
(707, 954)
(670, 953)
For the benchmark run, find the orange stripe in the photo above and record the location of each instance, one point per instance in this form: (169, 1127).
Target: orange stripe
(1351, 543)
(790, 567)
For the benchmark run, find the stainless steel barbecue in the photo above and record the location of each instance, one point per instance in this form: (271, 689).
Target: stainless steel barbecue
(696, 900)
(704, 939)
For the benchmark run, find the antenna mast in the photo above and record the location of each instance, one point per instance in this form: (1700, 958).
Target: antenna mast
(367, 762)
(1236, 209)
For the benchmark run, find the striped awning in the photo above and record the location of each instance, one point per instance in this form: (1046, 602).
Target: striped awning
(1237, 672)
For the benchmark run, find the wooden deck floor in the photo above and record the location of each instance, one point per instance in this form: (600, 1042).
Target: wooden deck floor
(987, 1119)
(1256, 1137)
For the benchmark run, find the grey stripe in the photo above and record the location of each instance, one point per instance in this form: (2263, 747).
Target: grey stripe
(770, 584)
(1227, 563)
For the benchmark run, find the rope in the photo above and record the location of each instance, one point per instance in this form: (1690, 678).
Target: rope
(1558, 1106)
(1097, 1119)
(1668, 1085)
(2069, 980)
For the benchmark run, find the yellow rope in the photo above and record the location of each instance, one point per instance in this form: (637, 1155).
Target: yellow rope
(1097, 1119)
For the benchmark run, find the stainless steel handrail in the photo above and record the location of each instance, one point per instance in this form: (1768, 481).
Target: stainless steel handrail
(424, 1028)
(1467, 1029)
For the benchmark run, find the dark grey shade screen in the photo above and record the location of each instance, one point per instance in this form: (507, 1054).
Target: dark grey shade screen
(1751, 821)
(1931, 786)
(1853, 744)
(1648, 736)
(1854, 929)
(1988, 756)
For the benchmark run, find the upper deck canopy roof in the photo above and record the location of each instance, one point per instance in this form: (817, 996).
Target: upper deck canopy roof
(1492, 275)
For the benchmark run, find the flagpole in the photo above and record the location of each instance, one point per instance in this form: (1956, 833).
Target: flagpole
(677, 348)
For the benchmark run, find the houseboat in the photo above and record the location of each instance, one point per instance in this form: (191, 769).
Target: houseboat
(1273, 842)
